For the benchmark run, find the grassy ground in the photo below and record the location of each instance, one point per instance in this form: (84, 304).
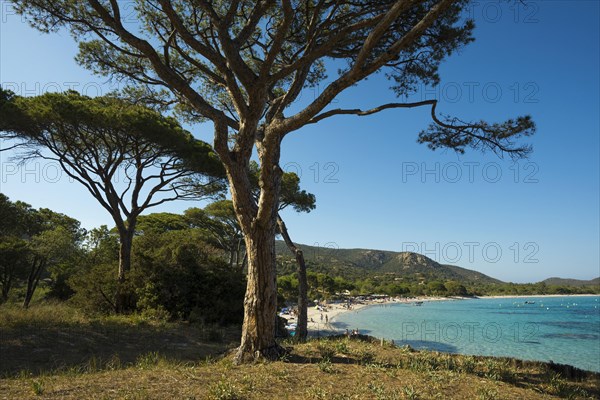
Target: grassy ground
(56, 353)
(56, 337)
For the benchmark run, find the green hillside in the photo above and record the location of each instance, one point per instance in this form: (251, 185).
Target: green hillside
(571, 282)
(355, 263)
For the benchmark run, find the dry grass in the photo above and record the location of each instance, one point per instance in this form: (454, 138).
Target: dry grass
(156, 368)
(55, 337)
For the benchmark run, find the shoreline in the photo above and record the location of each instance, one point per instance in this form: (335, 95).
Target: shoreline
(533, 295)
(321, 323)
(324, 326)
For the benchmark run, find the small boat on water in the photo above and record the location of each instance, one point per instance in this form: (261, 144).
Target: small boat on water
(530, 302)
(418, 303)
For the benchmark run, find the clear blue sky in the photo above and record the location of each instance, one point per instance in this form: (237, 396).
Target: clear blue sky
(376, 187)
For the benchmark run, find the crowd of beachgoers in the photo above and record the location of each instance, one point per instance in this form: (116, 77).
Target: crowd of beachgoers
(321, 316)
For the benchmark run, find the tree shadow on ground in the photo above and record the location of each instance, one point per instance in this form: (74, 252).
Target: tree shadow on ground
(41, 349)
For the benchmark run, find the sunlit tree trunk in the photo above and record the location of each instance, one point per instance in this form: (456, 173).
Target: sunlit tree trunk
(122, 295)
(258, 220)
(260, 302)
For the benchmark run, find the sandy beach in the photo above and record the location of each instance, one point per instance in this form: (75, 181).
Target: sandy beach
(321, 318)
(320, 321)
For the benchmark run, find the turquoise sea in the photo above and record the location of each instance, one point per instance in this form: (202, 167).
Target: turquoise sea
(565, 330)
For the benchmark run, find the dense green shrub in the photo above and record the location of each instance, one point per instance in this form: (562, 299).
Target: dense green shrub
(175, 275)
(95, 287)
(179, 272)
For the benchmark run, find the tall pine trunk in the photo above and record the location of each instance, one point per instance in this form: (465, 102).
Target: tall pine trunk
(258, 220)
(302, 323)
(260, 302)
(122, 296)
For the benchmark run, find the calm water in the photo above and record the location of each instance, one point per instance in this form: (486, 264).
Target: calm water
(565, 330)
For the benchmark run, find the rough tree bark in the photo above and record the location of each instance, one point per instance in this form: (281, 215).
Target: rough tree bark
(302, 323)
(258, 220)
(258, 331)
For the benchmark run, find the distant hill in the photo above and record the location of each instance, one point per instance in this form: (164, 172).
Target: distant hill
(353, 263)
(571, 282)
